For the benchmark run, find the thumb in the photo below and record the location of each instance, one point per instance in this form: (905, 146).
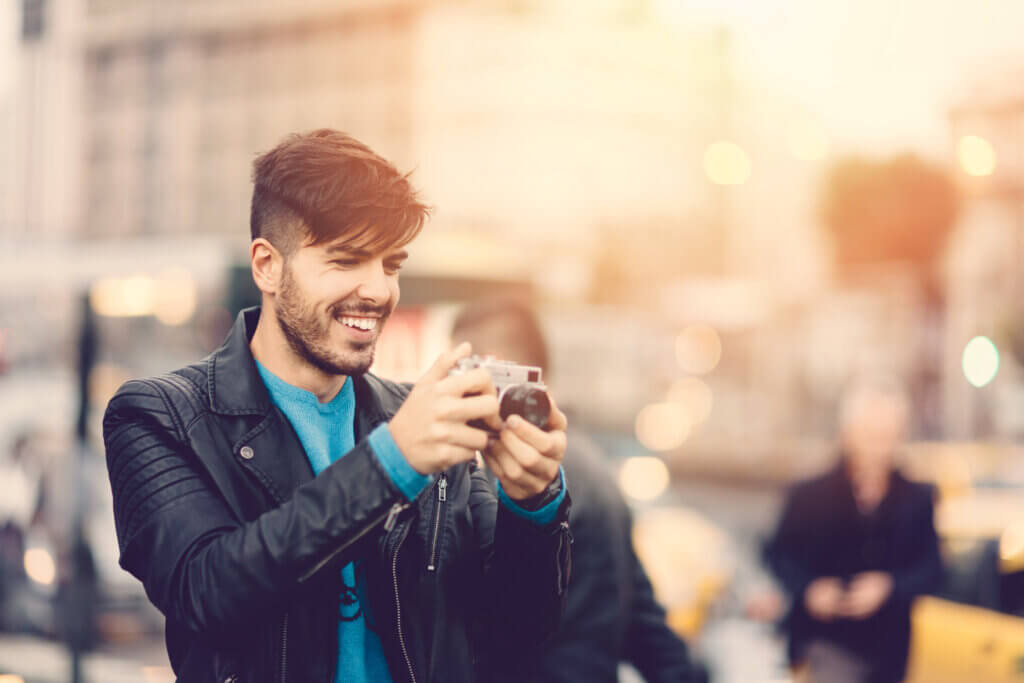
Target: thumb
(446, 361)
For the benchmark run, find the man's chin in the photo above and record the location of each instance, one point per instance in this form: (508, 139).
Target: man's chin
(358, 359)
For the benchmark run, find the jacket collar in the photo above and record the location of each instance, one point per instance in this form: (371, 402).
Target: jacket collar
(236, 388)
(235, 385)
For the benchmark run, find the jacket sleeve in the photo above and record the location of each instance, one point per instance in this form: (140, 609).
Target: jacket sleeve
(202, 566)
(787, 553)
(922, 571)
(525, 572)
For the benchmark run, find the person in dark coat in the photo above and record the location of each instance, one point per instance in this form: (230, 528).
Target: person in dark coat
(855, 546)
(611, 613)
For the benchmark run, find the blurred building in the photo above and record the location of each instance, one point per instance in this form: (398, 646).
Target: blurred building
(515, 124)
(574, 145)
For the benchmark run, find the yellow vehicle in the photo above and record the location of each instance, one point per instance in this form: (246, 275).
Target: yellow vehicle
(973, 632)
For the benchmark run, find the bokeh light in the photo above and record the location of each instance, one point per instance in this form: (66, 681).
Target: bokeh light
(980, 361)
(643, 477)
(977, 156)
(663, 426)
(39, 566)
(695, 396)
(698, 349)
(726, 163)
(176, 297)
(171, 296)
(122, 297)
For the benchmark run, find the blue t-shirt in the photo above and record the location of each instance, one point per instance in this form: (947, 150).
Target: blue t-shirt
(326, 431)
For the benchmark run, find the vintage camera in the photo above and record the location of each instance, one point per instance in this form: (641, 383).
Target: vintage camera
(520, 391)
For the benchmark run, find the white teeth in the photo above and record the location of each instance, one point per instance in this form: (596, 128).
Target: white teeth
(360, 323)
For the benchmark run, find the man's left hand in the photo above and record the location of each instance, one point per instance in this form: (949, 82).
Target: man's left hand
(526, 459)
(867, 593)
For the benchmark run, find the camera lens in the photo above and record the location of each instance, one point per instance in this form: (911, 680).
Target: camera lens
(530, 403)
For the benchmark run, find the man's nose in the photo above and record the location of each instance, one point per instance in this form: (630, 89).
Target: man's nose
(374, 286)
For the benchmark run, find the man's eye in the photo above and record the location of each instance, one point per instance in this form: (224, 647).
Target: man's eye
(392, 267)
(345, 262)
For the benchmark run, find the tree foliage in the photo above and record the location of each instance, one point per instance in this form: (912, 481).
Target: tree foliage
(900, 209)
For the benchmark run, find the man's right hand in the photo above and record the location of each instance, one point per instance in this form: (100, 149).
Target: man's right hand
(824, 598)
(430, 428)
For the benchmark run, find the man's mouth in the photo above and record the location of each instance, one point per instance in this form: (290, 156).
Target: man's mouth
(359, 323)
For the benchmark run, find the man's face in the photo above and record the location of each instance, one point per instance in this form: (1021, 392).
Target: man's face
(333, 301)
(875, 432)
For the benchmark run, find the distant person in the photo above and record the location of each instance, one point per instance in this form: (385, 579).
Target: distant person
(855, 546)
(611, 614)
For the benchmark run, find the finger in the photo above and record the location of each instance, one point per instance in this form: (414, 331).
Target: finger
(550, 444)
(493, 464)
(557, 420)
(507, 464)
(527, 457)
(458, 454)
(514, 477)
(471, 408)
(468, 437)
(446, 361)
(476, 381)
(494, 421)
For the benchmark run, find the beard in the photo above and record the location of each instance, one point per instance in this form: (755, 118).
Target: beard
(309, 334)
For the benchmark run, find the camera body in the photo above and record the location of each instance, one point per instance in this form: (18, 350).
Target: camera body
(520, 389)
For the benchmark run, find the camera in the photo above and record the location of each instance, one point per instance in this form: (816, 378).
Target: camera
(520, 390)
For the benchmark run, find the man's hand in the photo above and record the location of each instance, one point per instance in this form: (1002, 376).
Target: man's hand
(867, 593)
(525, 458)
(430, 428)
(824, 598)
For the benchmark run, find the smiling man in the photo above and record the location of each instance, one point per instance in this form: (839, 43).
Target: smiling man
(297, 518)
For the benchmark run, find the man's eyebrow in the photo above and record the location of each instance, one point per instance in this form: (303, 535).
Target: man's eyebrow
(363, 254)
(348, 251)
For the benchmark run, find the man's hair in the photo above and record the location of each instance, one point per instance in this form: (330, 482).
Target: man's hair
(525, 328)
(321, 185)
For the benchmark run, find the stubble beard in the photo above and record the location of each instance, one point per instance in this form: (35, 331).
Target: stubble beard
(309, 336)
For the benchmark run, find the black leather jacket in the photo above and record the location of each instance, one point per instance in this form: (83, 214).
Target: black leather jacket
(219, 515)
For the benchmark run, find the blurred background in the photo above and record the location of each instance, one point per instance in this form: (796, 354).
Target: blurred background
(723, 209)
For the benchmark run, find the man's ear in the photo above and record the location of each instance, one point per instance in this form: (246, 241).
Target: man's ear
(267, 265)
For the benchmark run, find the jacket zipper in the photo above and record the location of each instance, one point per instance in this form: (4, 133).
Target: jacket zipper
(390, 517)
(442, 496)
(284, 649)
(398, 604)
(564, 543)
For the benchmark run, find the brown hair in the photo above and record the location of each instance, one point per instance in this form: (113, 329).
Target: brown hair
(526, 335)
(320, 185)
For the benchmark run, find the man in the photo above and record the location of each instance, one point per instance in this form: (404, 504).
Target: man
(855, 546)
(611, 614)
(296, 518)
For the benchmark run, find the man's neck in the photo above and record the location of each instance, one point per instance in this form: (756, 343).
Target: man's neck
(869, 485)
(270, 347)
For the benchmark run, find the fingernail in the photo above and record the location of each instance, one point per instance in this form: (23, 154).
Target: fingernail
(514, 421)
